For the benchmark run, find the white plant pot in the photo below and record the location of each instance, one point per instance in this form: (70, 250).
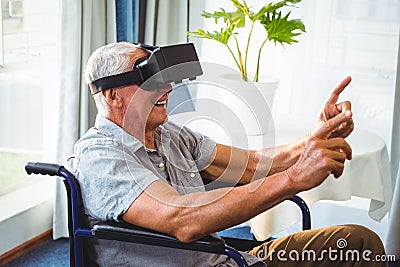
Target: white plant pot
(250, 102)
(268, 89)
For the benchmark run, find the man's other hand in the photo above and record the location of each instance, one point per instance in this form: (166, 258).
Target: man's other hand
(322, 156)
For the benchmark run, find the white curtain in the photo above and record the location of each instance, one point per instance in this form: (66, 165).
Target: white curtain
(393, 236)
(357, 38)
(85, 26)
(346, 38)
(166, 22)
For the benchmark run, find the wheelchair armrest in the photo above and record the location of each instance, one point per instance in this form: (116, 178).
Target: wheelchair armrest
(131, 233)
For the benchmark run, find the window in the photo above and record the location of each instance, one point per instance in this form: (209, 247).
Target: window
(359, 38)
(28, 98)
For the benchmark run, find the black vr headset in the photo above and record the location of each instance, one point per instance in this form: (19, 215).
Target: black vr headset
(164, 65)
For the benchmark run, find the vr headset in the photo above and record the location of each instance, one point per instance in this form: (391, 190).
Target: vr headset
(164, 65)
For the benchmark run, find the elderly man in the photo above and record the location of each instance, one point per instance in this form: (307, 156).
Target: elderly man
(135, 166)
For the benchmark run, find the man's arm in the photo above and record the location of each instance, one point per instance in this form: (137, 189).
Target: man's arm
(190, 217)
(238, 166)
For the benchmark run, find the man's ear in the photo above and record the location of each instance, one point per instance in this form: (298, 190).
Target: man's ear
(112, 97)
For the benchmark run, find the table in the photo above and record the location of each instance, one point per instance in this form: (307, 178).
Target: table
(367, 175)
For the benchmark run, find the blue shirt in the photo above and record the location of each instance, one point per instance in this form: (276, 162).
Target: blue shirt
(113, 168)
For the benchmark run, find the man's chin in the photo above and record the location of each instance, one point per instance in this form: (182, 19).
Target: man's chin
(159, 122)
(165, 120)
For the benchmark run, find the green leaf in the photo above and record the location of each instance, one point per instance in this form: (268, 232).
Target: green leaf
(280, 29)
(242, 8)
(272, 8)
(235, 19)
(293, 1)
(265, 9)
(221, 36)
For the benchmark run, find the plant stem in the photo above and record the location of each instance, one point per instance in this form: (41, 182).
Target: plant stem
(258, 60)
(242, 70)
(247, 48)
(233, 55)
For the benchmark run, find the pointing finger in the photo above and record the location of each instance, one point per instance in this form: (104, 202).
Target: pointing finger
(333, 98)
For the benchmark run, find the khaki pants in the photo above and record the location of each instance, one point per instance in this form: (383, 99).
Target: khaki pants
(347, 245)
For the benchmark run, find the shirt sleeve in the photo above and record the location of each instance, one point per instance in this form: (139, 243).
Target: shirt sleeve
(110, 180)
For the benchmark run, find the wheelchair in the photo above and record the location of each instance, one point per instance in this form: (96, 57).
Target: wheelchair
(126, 232)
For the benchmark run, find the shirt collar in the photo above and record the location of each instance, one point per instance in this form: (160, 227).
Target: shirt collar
(112, 130)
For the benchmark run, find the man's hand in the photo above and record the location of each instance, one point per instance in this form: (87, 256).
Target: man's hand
(331, 109)
(322, 156)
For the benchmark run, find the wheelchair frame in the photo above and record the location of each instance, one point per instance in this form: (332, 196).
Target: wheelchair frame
(127, 232)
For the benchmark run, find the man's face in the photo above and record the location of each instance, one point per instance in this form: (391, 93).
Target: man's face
(157, 102)
(144, 107)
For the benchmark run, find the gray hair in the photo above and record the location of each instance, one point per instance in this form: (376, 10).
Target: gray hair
(107, 60)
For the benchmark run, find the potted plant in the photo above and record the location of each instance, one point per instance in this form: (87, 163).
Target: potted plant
(242, 96)
(278, 28)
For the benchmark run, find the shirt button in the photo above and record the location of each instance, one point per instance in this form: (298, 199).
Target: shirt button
(161, 165)
(192, 175)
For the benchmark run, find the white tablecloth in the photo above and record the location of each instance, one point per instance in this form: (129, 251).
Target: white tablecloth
(366, 175)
